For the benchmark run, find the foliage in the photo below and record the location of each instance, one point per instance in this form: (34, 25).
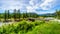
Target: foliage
(20, 27)
(17, 15)
(58, 14)
(46, 28)
(26, 27)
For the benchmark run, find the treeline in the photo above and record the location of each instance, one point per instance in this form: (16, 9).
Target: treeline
(17, 15)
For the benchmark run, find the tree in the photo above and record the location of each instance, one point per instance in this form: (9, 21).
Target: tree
(0, 16)
(23, 15)
(18, 14)
(58, 13)
(14, 14)
(8, 14)
(5, 15)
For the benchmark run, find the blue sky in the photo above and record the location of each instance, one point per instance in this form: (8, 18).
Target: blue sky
(37, 6)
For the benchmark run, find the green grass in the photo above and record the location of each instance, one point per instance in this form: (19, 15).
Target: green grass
(27, 27)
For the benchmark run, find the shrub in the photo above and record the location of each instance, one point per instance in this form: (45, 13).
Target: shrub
(26, 27)
(47, 28)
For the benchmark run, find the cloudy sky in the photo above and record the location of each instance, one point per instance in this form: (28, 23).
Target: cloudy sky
(37, 6)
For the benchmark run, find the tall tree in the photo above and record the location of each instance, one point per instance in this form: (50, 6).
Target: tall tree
(23, 15)
(58, 13)
(0, 16)
(18, 14)
(5, 15)
(8, 14)
(14, 14)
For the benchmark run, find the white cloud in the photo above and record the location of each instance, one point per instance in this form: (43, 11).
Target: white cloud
(30, 9)
(47, 4)
(43, 4)
(13, 4)
(27, 5)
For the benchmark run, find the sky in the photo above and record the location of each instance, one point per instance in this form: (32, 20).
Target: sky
(36, 6)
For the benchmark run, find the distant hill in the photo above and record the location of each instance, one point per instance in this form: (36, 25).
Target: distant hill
(48, 14)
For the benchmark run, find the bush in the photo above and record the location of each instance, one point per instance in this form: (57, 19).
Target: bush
(47, 28)
(20, 27)
(27, 27)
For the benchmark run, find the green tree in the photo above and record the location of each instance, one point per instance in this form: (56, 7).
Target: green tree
(14, 14)
(5, 15)
(18, 14)
(58, 13)
(23, 15)
(8, 14)
(0, 16)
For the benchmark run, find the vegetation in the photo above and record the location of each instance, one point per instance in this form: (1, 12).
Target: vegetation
(29, 27)
(58, 14)
(26, 27)
(17, 15)
(5, 15)
(47, 28)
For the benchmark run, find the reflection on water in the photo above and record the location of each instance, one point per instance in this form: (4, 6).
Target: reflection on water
(2, 23)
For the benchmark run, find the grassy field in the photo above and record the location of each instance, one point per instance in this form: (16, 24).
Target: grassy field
(28, 27)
